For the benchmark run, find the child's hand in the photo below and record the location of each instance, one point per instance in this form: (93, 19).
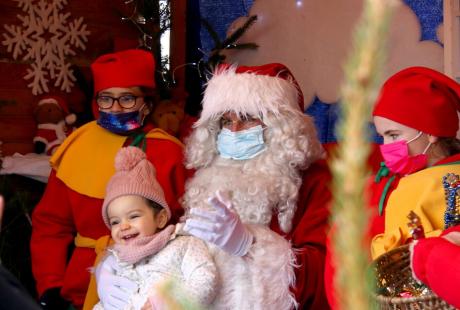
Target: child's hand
(147, 306)
(155, 302)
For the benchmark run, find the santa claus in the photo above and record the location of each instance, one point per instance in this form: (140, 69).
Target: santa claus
(260, 192)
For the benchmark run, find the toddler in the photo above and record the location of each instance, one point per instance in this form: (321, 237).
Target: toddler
(148, 252)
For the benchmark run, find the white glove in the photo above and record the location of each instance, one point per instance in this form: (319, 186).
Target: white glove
(114, 291)
(221, 226)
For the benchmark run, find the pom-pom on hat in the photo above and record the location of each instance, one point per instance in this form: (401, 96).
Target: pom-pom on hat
(134, 175)
(253, 90)
(127, 68)
(423, 99)
(70, 118)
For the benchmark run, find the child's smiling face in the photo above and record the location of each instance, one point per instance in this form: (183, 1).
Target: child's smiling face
(131, 217)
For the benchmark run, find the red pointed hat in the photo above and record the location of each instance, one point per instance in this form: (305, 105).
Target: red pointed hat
(253, 90)
(423, 99)
(128, 68)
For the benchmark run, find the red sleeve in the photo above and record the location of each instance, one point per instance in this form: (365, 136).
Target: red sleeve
(168, 158)
(308, 236)
(451, 229)
(53, 231)
(435, 262)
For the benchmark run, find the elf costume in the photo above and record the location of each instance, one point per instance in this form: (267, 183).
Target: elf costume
(69, 213)
(428, 101)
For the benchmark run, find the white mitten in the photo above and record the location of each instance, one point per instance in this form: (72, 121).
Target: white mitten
(114, 291)
(222, 226)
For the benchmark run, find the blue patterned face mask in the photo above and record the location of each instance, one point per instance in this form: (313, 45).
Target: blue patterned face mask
(241, 145)
(120, 123)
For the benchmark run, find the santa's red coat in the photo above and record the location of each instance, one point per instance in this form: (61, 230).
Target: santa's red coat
(308, 236)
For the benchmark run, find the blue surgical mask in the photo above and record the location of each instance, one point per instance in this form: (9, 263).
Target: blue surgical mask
(241, 145)
(120, 123)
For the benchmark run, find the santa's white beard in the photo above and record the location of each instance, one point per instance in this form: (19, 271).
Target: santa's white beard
(256, 188)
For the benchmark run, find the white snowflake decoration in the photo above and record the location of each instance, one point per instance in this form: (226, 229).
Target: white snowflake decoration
(46, 38)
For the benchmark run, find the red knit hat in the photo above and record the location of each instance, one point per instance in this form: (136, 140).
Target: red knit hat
(70, 118)
(127, 68)
(423, 99)
(254, 90)
(134, 175)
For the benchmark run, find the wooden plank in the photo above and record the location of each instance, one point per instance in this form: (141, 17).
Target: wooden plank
(17, 129)
(12, 75)
(103, 20)
(9, 148)
(16, 102)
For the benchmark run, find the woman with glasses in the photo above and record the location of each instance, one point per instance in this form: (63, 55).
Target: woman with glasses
(69, 213)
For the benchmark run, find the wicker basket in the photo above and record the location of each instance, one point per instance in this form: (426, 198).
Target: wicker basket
(394, 276)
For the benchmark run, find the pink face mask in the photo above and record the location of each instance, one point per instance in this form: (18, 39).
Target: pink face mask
(397, 158)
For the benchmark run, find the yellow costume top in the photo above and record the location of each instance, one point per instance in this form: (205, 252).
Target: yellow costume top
(421, 192)
(78, 169)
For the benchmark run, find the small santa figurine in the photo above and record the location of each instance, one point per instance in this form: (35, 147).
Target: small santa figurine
(54, 120)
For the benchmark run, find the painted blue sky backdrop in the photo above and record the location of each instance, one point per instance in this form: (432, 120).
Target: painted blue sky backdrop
(429, 14)
(221, 13)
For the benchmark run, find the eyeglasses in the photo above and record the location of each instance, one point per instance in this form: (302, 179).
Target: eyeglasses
(125, 101)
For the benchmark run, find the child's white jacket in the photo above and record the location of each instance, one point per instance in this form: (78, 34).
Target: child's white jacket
(185, 261)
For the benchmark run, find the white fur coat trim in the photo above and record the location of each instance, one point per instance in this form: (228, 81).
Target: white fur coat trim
(261, 279)
(247, 93)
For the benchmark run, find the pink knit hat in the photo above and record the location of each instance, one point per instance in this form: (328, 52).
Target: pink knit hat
(134, 175)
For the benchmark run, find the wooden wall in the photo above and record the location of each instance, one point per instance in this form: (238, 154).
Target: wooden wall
(103, 19)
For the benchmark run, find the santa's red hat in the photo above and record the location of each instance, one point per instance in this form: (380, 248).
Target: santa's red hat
(70, 118)
(253, 90)
(129, 68)
(423, 99)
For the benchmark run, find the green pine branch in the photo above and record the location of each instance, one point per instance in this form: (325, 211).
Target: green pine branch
(240, 46)
(213, 34)
(216, 57)
(240, 31)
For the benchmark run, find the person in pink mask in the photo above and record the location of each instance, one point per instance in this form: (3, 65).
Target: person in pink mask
(416, 114)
